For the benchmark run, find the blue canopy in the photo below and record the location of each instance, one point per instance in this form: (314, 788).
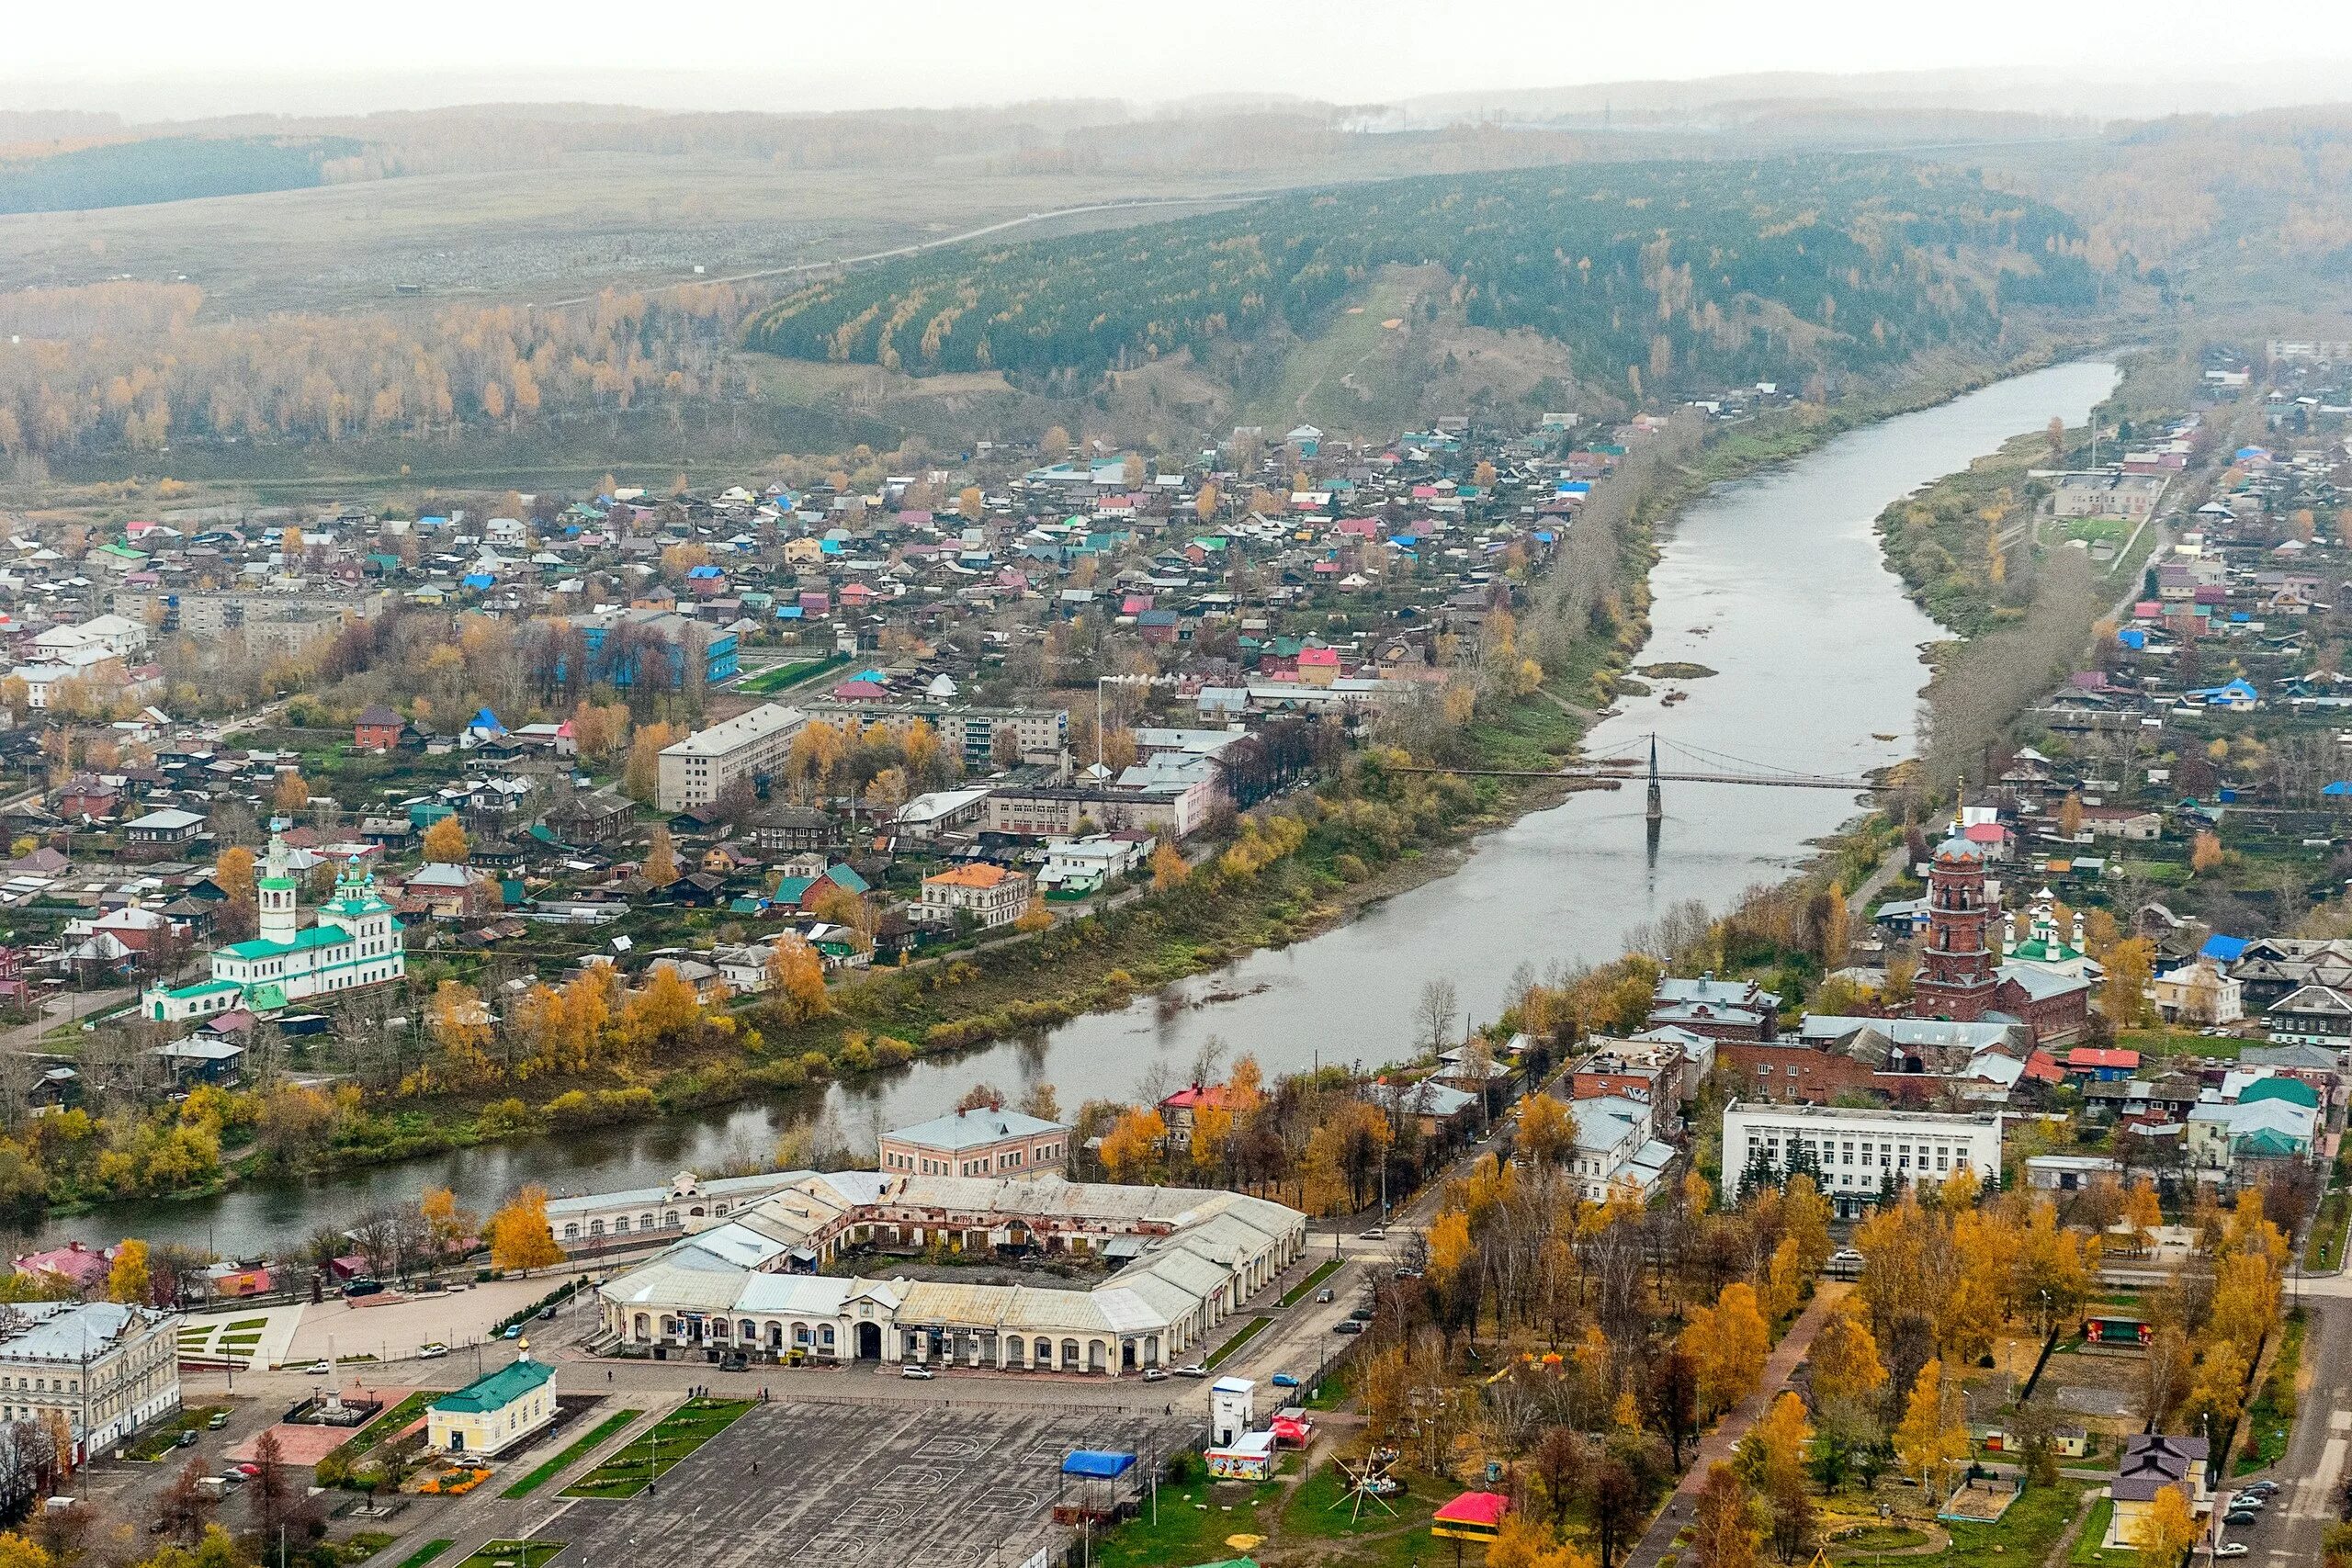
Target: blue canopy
(1097, 1464)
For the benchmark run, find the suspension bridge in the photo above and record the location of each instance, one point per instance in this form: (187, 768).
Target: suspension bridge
(1685, 764)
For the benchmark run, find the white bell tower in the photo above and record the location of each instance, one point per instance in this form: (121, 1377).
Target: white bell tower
(275, 892)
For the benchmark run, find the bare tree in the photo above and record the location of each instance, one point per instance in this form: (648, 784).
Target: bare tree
(1434, 1014)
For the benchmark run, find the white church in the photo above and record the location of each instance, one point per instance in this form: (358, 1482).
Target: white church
(355, 942)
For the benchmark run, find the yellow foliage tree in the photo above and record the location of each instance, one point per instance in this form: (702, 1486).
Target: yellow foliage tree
(660, 860)
(2167, 1529)
(1132, 1144)
(1934, 1432)
(293, 793)
(1844, 1357)
(795, 975)
(2130, 965)
(444, 842)
(664, 1009)
(1169, 869)
(519, 1236)
(127, 1278)
(1035, 918)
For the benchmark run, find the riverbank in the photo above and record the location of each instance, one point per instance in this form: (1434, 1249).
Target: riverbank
(1770, 581)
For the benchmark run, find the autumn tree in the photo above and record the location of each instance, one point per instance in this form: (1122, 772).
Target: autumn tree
(293, 793)
(660, 860)
(1722, 1526)
(2167, 1529)
(1547, 1130)
(127, 1277)
(1035, 918)
(2131, 966)
(1934, 1431)
(2070, 817)
(444, 842)
(1845, 1357)
(460, 1024)
(1169, 869)
(796, 977)
(1133, 1142)
(519, 1237)
(1728, 1342)
(2204, 852)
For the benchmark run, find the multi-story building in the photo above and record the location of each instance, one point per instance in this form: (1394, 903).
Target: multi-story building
(977, 1142)
(99, 1370)
(1856, 1155)
(990, 894)
(622, 648)
(355, 942)
(750, 747)
(970, 733)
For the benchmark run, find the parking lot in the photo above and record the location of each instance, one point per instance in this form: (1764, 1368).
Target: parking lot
(850, 1483)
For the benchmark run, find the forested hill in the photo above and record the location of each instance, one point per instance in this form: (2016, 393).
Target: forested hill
(166, 168)
(1669, 272)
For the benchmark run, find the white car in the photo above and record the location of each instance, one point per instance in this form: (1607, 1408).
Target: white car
(1155, 1375)
(1193, 1369)
(921, 1374)
(432, 1352)
(2231, 1548)
(320, 1368)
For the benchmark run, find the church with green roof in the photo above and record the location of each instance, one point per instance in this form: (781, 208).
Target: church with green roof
(354, 941)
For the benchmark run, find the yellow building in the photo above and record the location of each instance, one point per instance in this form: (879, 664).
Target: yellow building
(496, 1410)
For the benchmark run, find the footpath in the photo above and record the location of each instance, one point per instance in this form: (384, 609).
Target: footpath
(1717, 1445)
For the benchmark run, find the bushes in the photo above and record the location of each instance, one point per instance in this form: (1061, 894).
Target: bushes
(581, 1108)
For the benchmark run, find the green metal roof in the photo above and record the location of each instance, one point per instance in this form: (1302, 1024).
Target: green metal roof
(316, 936)
(2294, 1090)
(496, 1390)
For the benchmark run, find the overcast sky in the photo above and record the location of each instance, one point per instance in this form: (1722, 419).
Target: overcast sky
(159, 57)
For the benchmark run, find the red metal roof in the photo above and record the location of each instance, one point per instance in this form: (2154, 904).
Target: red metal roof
(1486, 1508)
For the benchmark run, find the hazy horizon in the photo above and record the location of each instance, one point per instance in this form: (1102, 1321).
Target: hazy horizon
(153, 61)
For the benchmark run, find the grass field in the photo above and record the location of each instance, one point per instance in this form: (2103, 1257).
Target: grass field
(159, 1442)
(785, 674)
(427, 1553)
(1335, 378)
(556, 1466)
(521, 1553)
(1239, 1340)
(1308, 1286)
(391, 1421)
(653, 1455)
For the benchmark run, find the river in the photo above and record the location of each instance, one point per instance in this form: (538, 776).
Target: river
(1776, 582)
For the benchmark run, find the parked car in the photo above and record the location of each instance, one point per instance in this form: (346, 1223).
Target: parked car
(1155, 1375)
(733, 1361)
(432, 1352)
(511, 1331)
(1192, 1370)
(185, 1440)
(2231, 1548)
(217, 1420)
(921, 1374)
(1375, 1233)
(2262, 1488)
(358, 1287)
(1362, 1315)
(1347, 1325)
(1284, 1380)
(547, 1312)
(2239, 1516)
(320, 1368)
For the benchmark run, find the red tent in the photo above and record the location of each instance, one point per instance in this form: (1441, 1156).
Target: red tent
(1474, 1516)
(1290, 1434)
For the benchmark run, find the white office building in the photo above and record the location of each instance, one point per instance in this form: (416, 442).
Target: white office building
(699, 769)
(1857, 1155)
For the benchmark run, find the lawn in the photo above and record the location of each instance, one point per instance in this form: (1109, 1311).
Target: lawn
(2155, 1044)
(2089, 1553)
(1308, 1286)
(159, 1442)
(1239, 1340)
(2270, 1419)
(1207, 1521)
(547, 1471)
(382, 1427)
(655, 1454)
(521, 1553)
(2032, 1526)
(784, 674)
(427, 1553)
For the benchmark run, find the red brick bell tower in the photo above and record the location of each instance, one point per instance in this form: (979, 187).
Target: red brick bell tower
(1955, 979)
